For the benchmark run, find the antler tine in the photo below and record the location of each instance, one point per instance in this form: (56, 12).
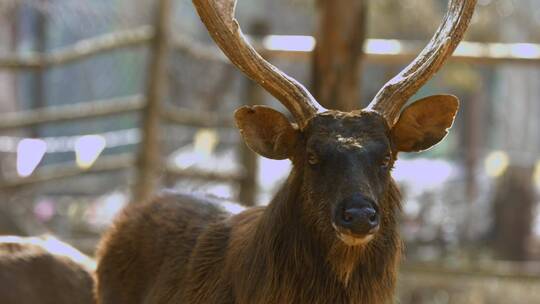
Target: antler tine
(218, 17)
(395, 93)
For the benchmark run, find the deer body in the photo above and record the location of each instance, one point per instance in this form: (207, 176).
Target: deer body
(43, 270)
(329, 235)
(197, 253)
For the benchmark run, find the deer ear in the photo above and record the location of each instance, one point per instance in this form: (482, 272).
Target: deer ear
(424, 123)
(266, 131)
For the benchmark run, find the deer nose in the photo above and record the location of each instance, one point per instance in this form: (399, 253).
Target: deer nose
(358, 214)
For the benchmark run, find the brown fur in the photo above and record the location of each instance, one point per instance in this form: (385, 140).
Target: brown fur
(32, 272)
(310, 245)
(182, 249)
(185, 249)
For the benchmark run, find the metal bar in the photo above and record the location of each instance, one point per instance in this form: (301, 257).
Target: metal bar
(391, 51)
(71, 112)
(198, 119)
(80, 50)
(55, 172)
(106, 164)
(379, 51)
(109, 107)
(197, 174)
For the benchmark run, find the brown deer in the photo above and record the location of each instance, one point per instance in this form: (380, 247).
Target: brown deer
(329, 235)
(45, 271)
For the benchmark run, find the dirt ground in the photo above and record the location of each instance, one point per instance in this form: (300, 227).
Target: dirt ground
(429, 288)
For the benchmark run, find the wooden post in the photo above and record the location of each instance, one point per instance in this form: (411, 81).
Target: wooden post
(247, 194)
(337, 56)
(473, 141)
(253, 95)
(149, 162)
(513, 215)
(38, 78)
(8, 97)
(473, 137)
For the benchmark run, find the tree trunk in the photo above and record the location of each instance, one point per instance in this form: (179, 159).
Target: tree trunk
(517, 111)
(513, 216)
(337, 56)
(472, 135)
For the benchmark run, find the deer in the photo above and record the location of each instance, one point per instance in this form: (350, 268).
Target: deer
(330, 234)
(44, 270)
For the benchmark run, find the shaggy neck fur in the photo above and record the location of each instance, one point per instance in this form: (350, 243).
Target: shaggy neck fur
(307, 266)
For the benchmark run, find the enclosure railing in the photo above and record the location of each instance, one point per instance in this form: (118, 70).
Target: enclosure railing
(149, 104)
(381, 51)
(378, 51)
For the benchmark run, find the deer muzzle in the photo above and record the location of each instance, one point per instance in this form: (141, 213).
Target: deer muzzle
(356, 217)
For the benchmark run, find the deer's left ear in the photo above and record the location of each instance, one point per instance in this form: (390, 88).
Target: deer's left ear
(424, 123)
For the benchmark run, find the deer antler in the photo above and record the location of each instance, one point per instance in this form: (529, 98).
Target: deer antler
(395, 93)
(218, 17)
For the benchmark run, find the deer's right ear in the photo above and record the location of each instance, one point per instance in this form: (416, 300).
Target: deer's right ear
(266, 131)
(424, 123)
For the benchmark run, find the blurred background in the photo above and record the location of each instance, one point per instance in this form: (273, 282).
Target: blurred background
(104, 102)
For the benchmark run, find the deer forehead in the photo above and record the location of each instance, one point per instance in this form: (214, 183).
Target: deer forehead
(348, 129)
(349, 142)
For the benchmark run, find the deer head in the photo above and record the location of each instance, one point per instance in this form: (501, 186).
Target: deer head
(343, 159)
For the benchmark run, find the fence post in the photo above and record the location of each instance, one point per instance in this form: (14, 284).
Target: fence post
(337, 58)
(253, 95)
(248, 159)
(38, 90)
(149, 161)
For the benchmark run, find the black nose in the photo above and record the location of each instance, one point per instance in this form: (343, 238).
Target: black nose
(358, 214)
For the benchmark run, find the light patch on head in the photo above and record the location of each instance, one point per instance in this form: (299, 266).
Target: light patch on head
(348, 142)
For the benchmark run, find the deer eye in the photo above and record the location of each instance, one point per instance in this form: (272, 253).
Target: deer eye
(312, 158)
(385, 164)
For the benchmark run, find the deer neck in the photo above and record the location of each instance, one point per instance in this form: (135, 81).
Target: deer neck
(298, 245)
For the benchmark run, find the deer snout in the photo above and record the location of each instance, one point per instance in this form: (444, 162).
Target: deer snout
(357, 215)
